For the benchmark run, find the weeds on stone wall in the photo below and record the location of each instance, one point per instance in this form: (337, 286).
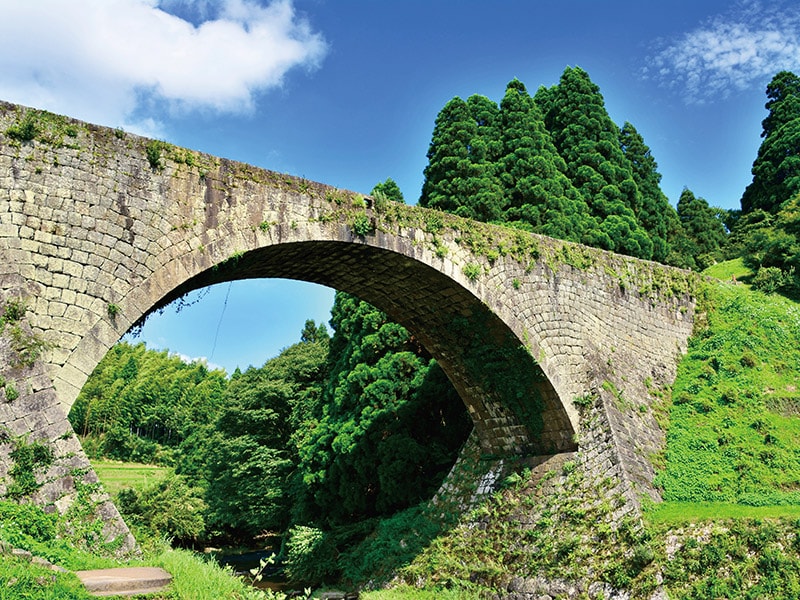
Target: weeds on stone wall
(27, 347)
(43, 126)
(30, 461)
(543, 529)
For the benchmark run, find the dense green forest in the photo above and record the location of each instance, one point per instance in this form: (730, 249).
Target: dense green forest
(334, 445)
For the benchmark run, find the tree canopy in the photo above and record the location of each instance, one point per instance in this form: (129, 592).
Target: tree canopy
(776, 169)
(555, 164)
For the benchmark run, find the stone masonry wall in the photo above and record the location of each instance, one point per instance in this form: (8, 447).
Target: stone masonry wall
(99, 227)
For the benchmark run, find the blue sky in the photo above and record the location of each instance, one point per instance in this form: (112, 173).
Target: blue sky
(346, 92)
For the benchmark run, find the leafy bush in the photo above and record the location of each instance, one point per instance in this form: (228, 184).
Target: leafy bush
(394, 544)
(25, 130)
(310, 555)
(153, 151)
(769, 279)
(362, 224)
(169, 508)
(23, 522)
(28, 459)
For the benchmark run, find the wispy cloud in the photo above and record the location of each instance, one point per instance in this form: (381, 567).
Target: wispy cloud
(734, 51)
(108, 60)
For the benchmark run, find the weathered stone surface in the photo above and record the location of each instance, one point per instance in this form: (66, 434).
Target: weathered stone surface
(95, 234)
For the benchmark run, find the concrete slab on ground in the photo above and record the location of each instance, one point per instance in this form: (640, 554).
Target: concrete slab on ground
(127, 581)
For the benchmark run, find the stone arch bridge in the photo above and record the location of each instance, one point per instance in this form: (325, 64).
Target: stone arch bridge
(98, 228)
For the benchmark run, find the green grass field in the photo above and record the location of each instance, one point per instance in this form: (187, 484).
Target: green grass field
(730, 270)
(116, 475)
(676, 513)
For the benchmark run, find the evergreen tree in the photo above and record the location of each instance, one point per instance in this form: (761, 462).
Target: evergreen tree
(776, 169)
(588, 141)
(387, 427)
(486, 147)
(656, 215)
(540, 195)
(705, 231)
(390, 190)
(460, 175)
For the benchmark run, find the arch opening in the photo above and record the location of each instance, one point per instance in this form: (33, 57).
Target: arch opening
(514, 407)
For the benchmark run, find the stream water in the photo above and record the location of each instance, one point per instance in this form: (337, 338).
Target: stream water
(242, 562)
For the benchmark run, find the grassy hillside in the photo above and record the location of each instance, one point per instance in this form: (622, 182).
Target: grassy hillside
(734, 433)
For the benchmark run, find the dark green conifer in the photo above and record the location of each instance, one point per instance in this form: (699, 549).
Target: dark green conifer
(460, 174)
(387, 428)
(705, 232)
(539, 193)
(656, 214)
(588, 141)
(776, 169)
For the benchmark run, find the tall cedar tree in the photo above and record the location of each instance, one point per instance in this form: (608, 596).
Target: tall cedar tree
(776, 170)
(705, 232)
(387, 428)
(656, 214)
(588, 141)
(532, 173)
(460, 175)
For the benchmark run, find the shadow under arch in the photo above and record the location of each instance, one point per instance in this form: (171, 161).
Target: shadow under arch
(514, 407)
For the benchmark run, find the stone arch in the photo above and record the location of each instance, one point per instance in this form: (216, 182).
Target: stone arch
(114, 221)
(515, 409)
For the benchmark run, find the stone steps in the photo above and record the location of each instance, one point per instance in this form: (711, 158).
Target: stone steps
(127, 581)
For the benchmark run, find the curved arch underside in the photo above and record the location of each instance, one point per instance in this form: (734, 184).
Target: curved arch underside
(512, 403)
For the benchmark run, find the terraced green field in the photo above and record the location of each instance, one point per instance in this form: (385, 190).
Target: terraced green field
(116, 475)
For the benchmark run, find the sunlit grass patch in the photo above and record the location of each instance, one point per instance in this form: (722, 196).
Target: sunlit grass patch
(730, 270)
(690, 512)
(409, 593)
(116, 475)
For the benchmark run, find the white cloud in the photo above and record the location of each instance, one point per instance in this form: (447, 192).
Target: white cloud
(730, 52)
(189, 360)
(106, 60)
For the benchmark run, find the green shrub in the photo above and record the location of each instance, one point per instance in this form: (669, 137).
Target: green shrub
(169, 508)
(26, 130)
(394, 544)
(769, 279)
(362, 224)
(153, 151)
(28, 460)
(22, 522)
(310, 555)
